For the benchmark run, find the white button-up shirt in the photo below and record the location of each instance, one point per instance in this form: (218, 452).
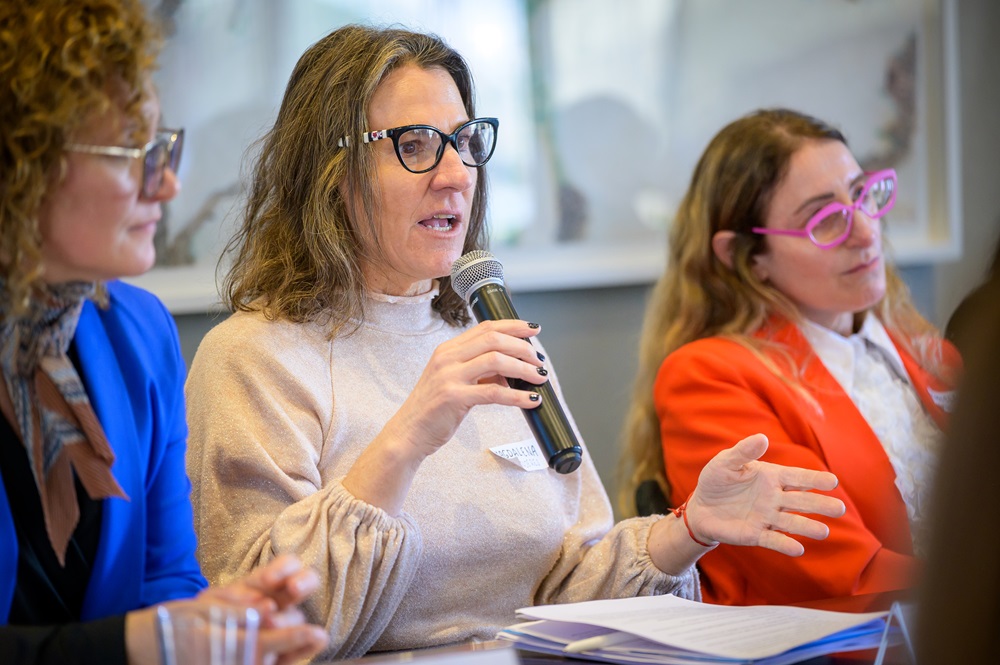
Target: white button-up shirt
(869, 369)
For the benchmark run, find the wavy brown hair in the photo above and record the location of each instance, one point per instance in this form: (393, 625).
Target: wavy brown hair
(298, 253)
(61, 63)
(698, 296)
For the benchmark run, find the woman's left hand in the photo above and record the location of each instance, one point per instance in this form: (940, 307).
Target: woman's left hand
(740, 500)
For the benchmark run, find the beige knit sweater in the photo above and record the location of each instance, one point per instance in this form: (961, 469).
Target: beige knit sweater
(278, 414)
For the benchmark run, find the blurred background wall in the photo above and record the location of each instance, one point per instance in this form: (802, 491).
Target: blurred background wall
(592, 334)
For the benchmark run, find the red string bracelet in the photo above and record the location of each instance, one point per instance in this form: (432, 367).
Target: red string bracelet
(680, 512)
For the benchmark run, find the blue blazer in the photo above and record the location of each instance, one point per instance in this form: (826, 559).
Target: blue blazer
(131, 365)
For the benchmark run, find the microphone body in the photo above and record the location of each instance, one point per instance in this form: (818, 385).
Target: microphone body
(487, 297)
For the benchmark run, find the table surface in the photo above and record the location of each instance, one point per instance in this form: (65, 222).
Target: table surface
(876, 602)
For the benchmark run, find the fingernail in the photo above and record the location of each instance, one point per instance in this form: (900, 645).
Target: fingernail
(534, 397)
(542, 371)
(540, 356)
(533, 326)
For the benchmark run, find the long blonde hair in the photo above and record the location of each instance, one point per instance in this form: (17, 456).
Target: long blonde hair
(698, 296)
(298, 253)
(61, 63)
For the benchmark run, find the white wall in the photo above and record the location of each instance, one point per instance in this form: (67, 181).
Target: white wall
(979, 54)
(592, 335)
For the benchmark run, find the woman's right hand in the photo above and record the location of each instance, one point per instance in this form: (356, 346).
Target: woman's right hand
(464, 372)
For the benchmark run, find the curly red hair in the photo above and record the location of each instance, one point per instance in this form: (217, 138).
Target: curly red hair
(60, 64)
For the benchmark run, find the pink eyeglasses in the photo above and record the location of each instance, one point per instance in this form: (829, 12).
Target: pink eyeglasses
(832, 224)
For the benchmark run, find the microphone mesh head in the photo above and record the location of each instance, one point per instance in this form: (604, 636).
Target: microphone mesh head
(474, 269)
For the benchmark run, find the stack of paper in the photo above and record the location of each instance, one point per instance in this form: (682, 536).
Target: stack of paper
(667, 629)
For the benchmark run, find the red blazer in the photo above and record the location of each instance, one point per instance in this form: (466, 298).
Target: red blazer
(713, 392)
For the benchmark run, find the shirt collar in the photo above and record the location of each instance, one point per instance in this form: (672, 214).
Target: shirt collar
(839, 353)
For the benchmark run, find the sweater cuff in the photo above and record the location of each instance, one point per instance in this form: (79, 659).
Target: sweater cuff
(686, 585)
(367, 515)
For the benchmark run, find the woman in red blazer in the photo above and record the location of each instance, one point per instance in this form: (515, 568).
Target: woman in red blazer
(779, 314)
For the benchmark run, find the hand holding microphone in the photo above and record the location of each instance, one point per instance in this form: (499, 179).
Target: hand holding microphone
(478, 278)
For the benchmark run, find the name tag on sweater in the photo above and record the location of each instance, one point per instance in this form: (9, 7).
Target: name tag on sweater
(524, 454)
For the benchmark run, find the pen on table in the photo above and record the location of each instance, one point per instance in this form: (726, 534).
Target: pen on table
(598, 642)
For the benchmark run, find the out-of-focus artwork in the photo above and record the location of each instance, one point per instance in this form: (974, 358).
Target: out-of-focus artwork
(604, 109)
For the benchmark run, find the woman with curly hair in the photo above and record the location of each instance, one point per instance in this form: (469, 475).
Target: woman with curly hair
(95, 518)
(779, 313)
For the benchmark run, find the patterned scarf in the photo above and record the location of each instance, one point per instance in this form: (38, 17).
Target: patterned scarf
(45, 402)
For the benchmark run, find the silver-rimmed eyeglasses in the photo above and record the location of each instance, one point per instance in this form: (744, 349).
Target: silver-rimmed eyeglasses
(420, 147)
(161, 152)
(832, 224)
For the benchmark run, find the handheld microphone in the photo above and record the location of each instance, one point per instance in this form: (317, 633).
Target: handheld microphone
(478, 278)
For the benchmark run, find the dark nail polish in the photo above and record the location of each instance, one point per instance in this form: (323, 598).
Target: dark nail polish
(540, 355)
(534, 397)
(533, 326)
(542, 371)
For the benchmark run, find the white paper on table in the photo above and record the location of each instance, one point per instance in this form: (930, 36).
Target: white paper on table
(553, 636)
(751, 632)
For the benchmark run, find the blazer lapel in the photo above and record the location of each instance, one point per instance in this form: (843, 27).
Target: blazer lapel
(119, 548)
(851, 448)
